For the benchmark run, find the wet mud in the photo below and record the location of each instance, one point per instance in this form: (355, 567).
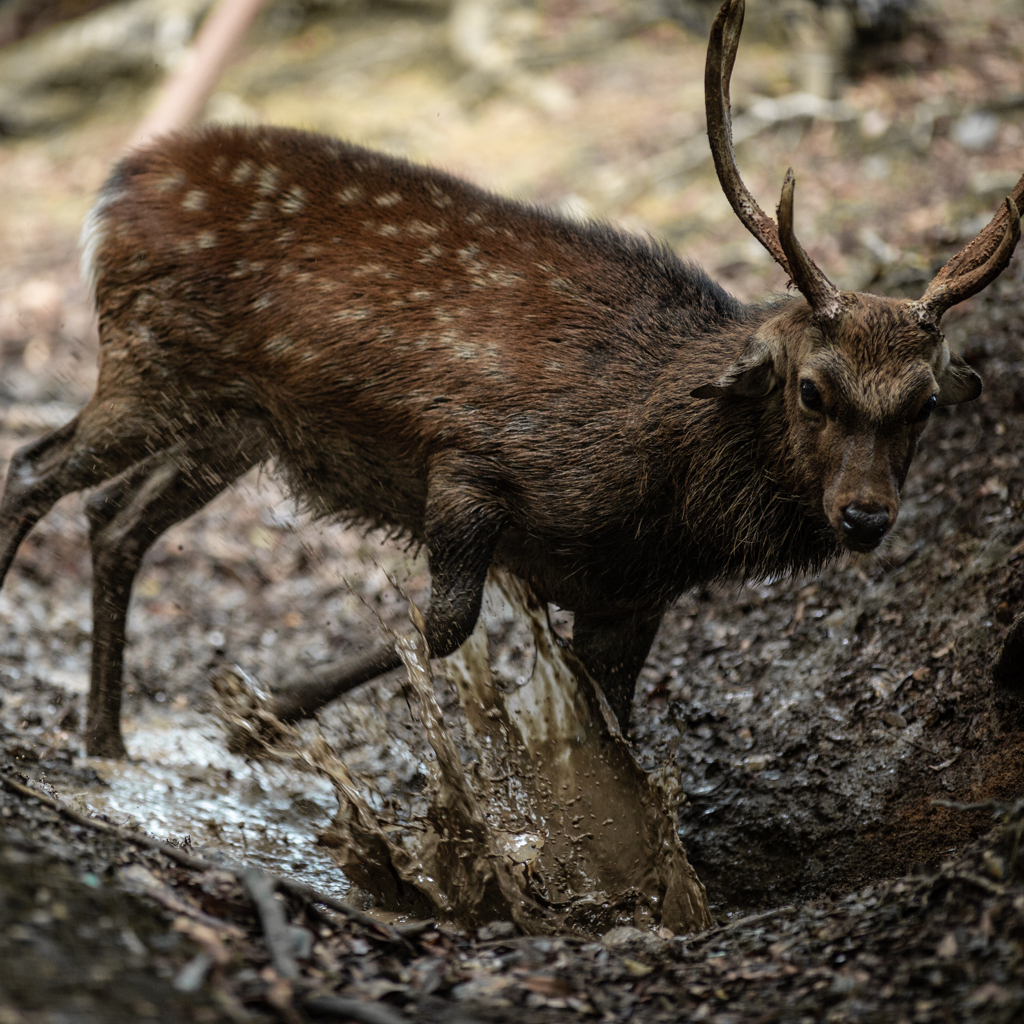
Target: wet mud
(551, 761)
(181, 781)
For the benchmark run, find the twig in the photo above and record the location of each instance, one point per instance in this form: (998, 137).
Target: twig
(920, 746)
(986, 805)
(125, 834)
(741, 923)
(411, 929)
(276, 931)
(167, 899)
(351, 1009)
(299, 889)
(981, 883)
(188, 87)
(311, 895)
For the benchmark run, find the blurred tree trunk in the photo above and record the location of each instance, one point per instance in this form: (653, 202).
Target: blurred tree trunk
(190, 85)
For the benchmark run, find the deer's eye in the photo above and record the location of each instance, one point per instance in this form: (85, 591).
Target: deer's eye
(926, 409)
(810, 396)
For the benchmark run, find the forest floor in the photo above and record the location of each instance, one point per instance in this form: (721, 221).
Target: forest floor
(813, 722)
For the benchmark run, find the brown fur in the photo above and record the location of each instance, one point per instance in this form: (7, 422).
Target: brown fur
(491, 381)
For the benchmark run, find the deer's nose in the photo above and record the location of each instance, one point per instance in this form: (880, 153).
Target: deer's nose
(865, 526)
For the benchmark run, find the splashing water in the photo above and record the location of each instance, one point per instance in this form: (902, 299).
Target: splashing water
(550, 823)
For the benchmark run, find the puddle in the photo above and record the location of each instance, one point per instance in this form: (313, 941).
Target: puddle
(182, 781)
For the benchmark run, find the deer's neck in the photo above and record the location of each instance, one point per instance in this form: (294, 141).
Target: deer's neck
(731, 506)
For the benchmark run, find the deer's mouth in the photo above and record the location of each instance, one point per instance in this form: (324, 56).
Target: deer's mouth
(862, 547)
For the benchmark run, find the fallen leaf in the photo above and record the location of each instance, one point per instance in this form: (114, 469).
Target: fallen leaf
(547, 985)
(637, 969)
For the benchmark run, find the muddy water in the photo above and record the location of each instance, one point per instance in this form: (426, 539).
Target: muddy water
(530, 808)
(546, 820)
(181, 783)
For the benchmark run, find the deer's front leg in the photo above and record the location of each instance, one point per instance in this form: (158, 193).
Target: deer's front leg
(461, 529)
(613, 648)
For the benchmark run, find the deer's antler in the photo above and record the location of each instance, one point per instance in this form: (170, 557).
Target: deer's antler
(815, 287)
(978, 263)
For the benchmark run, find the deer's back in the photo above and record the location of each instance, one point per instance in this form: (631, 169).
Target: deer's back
(377, 314)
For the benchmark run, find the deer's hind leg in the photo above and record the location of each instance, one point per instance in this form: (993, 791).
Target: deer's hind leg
(70, 458)
(127, 419)
(125, 518)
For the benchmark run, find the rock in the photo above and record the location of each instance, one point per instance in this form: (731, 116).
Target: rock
(626, 940)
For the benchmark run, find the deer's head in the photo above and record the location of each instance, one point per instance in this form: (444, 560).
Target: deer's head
(857, 375)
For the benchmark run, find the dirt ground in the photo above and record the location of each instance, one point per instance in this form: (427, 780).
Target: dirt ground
(813, 722)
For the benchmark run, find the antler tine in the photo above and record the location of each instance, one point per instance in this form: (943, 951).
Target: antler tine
(816, 288)
(979, 262)
(725, 39)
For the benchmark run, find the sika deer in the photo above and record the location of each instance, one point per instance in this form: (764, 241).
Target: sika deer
(567, 401)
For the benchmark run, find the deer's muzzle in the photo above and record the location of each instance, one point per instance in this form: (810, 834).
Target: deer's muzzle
(864, 526)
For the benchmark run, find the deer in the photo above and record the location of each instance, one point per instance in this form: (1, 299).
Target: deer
(572, 403)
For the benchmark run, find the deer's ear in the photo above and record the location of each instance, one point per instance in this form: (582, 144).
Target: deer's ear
(958, 382)
(757, 372)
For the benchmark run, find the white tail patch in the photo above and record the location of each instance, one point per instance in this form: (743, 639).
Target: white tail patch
(94, 234)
